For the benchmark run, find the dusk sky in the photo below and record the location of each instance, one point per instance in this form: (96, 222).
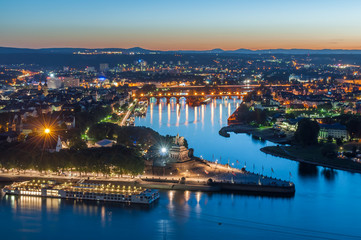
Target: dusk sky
(174, 25)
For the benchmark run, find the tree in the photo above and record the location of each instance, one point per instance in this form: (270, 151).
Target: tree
(325, 106)
(245, 115)
(75, 140)
(354, 127)
(103, 130)
(307, 132)
(339, 141)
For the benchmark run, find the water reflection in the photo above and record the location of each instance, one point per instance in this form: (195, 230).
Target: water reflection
(220, 113)
(178, 215)
(229, 109)
(186, 123)
(306, 170)
(165, 229)
(203, 109)
(151, 113)
(195, 114)
(26, 204)
(212, 114)
(198, 208)
(329, 174)
(160, 113)
(169, 113)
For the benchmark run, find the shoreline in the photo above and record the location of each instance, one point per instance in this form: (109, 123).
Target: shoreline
(267, 150)
(263, 134)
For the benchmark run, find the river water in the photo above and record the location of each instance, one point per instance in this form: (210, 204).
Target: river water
(326, 204)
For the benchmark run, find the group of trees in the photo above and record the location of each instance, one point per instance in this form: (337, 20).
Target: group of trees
(123, 158)
(244, 114)
(117, 160)
(127, 135)
(89, 118)
(307, 132)
(74, 139)
(354, 127)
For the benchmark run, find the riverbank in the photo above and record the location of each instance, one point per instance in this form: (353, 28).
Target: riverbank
(312, 155)
(264, 133)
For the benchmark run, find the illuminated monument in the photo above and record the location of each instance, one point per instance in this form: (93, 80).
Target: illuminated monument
(178, 152)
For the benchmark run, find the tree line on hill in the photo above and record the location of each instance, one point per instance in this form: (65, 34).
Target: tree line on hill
(126, 157)
(117, 160)
(143, 137)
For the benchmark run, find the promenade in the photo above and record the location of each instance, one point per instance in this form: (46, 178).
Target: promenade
(211, 177)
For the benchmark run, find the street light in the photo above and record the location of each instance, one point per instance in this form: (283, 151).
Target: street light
(47, 130)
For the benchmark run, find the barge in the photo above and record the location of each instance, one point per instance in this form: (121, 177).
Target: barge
(83, 191)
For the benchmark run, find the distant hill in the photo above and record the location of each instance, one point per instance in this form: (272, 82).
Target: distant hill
(9, 50)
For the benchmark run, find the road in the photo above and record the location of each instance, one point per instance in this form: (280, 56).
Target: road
(127, 115)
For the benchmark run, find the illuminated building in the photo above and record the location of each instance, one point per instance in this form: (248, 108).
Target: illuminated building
(333, 130)
(54, 82)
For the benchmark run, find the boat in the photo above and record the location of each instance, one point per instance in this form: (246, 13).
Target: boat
(83, 191)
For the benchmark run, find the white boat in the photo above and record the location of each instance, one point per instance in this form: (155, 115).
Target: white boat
(83, 191)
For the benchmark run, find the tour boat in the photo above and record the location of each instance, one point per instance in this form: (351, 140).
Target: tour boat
(83, 191)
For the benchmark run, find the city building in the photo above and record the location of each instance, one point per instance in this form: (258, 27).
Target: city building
(54, 82)
(336, 130)
(70, 82)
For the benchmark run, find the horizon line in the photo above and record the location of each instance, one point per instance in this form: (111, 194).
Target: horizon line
(173, 50)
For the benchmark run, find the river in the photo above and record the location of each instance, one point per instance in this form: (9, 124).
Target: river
(326, 204)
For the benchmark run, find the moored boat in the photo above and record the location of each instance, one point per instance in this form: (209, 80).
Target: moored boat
(83, 191)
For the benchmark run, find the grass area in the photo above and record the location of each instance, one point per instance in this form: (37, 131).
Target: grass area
(349, 146)
(313, 155)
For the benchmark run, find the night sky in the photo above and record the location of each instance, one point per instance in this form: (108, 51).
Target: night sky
(186, 24)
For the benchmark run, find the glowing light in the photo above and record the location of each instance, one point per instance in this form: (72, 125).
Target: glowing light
(47, 130)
